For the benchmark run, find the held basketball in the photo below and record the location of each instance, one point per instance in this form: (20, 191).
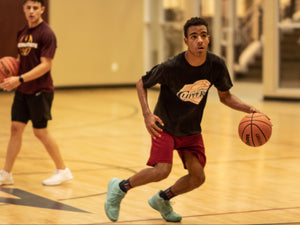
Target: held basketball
(9, 66)
(255, 129)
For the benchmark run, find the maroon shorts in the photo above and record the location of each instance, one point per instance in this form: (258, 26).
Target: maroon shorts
(162, 148)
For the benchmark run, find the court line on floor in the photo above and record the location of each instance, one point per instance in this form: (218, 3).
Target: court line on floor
(217, 214)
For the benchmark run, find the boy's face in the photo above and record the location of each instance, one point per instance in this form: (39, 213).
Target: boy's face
(33, 12)
(197, 40)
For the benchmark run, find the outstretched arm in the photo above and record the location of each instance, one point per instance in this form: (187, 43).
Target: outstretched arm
(149, 118)
(235, 103)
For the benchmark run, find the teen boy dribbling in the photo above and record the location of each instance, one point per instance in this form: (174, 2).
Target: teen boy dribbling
(34, 94)
(175, 124)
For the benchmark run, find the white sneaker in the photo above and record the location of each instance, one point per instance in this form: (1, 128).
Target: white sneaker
(6, 178)
(59, 177)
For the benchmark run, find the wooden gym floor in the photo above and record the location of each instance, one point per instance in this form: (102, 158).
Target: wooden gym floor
(101, 134)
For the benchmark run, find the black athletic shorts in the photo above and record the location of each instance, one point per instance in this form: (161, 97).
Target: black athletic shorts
(35, 107)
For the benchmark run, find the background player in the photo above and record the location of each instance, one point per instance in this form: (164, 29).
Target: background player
(34, 94)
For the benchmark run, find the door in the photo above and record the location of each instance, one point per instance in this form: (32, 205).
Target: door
(11, 20)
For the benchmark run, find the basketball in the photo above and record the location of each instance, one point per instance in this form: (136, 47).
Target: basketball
(9, 66)
(255, 129)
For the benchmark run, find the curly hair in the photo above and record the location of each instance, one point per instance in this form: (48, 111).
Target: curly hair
(194, 21)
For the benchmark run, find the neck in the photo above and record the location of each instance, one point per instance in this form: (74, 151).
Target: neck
(36, 23)
(195, 60)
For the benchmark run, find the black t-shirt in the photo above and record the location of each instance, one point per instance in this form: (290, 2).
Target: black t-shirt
(184, 89)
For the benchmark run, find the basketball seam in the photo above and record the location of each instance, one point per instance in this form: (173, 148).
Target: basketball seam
(261, 132)
(252, 130)
(244, 132)
(264, 122)
(9, 65)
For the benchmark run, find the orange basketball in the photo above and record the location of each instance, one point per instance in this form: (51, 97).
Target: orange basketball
(255, 129)
(9, 66)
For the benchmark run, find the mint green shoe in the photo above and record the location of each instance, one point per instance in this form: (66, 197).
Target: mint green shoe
(164, 207)
(113, 199)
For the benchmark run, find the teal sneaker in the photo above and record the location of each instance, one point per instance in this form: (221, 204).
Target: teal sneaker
(164, 207)
(113, 199)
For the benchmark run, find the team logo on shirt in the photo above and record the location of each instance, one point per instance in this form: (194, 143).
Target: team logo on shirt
(26, 44)
(194, 92)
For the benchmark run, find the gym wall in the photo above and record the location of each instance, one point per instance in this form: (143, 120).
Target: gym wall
(100, 42)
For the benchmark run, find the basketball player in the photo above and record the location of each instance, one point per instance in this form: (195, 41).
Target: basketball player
(175, 124)
(34, 93)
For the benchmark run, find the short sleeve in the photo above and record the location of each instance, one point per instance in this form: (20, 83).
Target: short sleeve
(222, 80)
(154, 76)
(48, 45)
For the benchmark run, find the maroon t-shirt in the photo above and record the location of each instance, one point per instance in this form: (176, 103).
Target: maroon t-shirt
(34, 43)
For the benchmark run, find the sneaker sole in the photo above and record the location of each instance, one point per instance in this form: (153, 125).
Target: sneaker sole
(57, 183)
(149, 201)
(111, 182)
(106, 212)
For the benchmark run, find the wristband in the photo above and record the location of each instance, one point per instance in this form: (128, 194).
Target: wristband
(21, 79)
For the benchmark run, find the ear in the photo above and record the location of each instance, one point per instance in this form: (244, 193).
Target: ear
(24, 8)
(185, 40)
(43, 9)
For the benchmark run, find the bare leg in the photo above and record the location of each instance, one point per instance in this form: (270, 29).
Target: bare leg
(51, 146)
(14, 144)
(155, 174)
(194, 179)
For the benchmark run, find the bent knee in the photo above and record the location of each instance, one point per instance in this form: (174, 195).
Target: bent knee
(197, 181)
(201, 180)
(162, 173)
